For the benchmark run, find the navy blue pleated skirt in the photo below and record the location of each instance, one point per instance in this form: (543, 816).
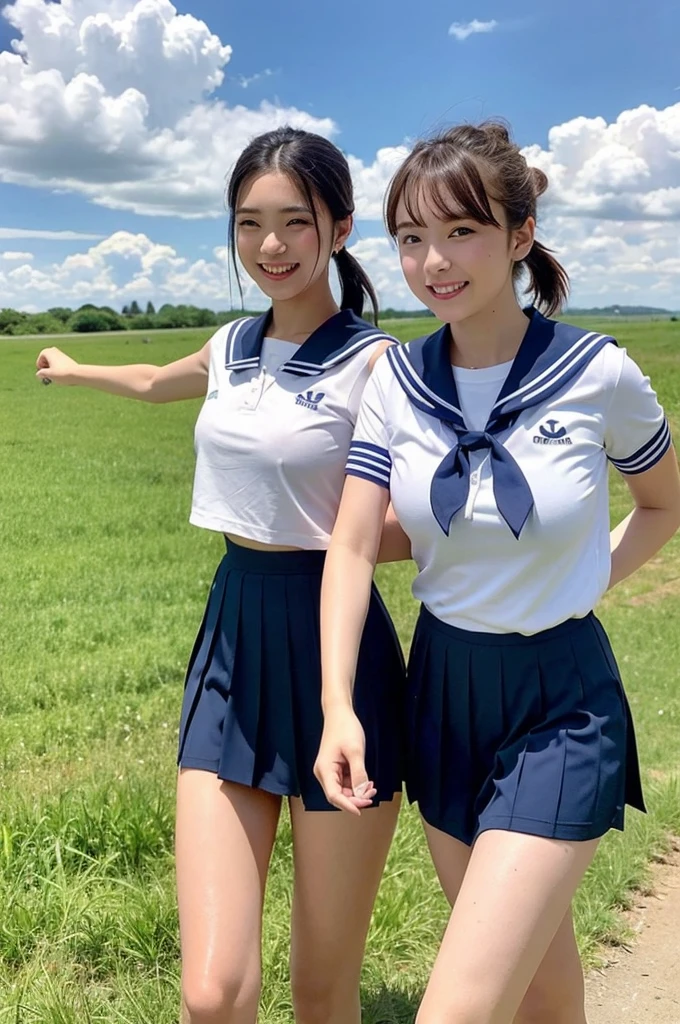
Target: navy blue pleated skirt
(252, 711)
(524, 733)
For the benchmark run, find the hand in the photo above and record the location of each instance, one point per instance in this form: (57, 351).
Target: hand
(55, 366)
(340, 766)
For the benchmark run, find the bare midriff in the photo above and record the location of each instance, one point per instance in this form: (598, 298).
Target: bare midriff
(256, 545)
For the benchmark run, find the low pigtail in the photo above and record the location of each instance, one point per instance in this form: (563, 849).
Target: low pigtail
(548, 280)
(355, 283)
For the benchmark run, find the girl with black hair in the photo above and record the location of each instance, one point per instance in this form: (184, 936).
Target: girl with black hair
(282, 394)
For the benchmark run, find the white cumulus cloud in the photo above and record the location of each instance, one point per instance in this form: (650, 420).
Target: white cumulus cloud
(628, 169)
(119, 105)
(371, 180)
(462, 30)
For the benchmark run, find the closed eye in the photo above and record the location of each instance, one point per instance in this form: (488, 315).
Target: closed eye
(296, 221)
(248, 223)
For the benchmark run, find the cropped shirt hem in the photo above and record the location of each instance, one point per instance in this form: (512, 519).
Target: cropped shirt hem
(304, 541)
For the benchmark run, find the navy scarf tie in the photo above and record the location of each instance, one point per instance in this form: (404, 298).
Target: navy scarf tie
(451, 483)
(551, 354)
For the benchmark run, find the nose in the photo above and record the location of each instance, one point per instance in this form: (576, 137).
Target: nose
(272, 246)
(436, 261)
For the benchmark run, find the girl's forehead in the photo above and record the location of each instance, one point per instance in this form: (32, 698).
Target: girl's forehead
(271, 188)
(420, 203)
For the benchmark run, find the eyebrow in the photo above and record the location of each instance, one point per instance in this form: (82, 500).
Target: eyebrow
(444, 220)
(284, 209)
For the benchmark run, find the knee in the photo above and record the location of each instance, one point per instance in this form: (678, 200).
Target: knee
(223, 1000)
(319, 998)
(460, 1005)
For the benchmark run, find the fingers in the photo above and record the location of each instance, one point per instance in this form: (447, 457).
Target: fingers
(43, 360)
(330, 775)
(361, 787)
(335, 780)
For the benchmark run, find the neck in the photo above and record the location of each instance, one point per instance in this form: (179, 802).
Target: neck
(295, 319)
(491, 336)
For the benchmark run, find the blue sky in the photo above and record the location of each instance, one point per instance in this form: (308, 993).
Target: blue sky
(122, 119)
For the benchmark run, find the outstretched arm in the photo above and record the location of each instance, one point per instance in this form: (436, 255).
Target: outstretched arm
(181, 379)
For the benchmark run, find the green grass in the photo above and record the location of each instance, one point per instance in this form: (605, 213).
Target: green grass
(102, 583)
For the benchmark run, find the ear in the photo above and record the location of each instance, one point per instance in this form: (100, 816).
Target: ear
(342, 231)
(523, 239)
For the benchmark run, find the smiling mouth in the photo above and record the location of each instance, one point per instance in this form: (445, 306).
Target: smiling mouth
(447, 291)
(278, 270)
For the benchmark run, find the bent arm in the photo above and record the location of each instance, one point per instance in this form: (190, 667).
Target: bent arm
(182, 379)
(653, 521)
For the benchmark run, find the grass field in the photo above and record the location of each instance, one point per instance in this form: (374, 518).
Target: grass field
(102, 583)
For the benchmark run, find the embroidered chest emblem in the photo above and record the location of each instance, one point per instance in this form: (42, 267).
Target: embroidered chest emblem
(213, 394)
(551, 432)
(310, 399)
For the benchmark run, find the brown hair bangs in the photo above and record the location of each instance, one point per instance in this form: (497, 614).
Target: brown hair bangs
(446, 180)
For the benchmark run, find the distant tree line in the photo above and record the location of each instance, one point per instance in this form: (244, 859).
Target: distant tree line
(88, 318)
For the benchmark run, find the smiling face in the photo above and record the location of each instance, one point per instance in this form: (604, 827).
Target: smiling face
(277, 238)
(456, 265)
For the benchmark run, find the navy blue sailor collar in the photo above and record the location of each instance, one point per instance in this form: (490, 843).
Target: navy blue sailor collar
(550, 355)
(334, 341)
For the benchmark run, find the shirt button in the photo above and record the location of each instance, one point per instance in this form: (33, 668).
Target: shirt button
(474, 478)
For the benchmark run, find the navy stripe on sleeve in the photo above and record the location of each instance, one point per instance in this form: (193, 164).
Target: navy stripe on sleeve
(648, 455)
(370, 462)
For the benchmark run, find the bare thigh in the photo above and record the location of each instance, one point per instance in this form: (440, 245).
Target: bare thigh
(515, 894)
(225, 835)
(339, 861)
(556, 992)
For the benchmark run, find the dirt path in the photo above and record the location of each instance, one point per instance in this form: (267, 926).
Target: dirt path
(642, 986)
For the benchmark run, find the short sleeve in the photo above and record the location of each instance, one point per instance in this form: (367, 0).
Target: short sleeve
(369, 456)
(637, 433)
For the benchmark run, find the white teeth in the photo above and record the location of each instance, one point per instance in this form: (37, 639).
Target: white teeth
(278, 268)
(448, 289)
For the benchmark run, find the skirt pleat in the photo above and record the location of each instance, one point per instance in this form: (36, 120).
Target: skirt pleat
(531, 734)
(252, 708)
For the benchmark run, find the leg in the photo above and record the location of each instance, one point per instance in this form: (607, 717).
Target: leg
(556, 994)
(515, 894)
(450, 858)
(339, 861)
(225, 835)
